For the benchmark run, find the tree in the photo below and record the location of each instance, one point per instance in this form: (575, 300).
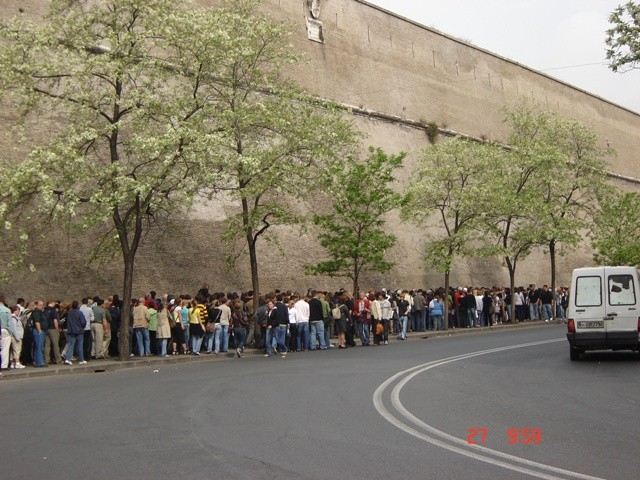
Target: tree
(623, 38)
(133, 84)
(450, 175)
(616, 230)
(276, 139)
(571, 191)
(354, 233)
(514, 200)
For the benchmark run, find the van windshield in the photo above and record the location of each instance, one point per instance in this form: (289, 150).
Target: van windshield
(621, 290)
(588, 292)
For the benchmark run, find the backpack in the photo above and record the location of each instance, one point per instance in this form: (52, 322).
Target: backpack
(26, 320)
(336, 313)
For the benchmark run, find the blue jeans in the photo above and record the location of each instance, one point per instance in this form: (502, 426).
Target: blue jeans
(268, 339)
(221, 338)
(281, 337)
(533, 312)
(422, 316)
(403, 326)
(436, 321)
(547, 311)
(240, 334)
(327, 333)
(208, 341)
(302, 342)
(186, 334)
(144, 343)
(317, 331)
(76, 339)
(365, 331)
(471, 316)
(38, 348)
(162, 342)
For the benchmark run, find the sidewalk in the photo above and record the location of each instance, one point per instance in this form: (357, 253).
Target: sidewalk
(110, 365)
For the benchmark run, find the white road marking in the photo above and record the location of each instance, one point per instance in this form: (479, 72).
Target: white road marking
(449, 442)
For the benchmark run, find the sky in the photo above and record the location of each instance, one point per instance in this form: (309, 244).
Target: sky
(561, 38)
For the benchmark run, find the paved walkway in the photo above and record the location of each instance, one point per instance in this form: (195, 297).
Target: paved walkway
(109, 365)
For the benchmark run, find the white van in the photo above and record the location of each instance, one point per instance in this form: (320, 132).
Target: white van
(604, 310)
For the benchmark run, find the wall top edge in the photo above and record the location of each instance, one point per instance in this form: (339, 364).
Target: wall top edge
(493, 54)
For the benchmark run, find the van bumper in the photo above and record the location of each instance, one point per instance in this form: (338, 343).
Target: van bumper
(604, 340)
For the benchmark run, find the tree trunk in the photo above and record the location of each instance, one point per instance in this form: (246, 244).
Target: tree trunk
(253, 260)
(552, 256)
(512, 285)
(355, 279)
(125, 312)
(447, 274)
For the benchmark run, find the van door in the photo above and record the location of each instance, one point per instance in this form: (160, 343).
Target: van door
(589, 307)
(621, 319)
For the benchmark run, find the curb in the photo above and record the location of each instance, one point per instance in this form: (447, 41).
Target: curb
(100, 366)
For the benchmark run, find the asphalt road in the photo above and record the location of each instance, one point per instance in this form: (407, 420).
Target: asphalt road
(358, 413)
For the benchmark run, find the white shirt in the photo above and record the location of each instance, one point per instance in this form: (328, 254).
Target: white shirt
(302, 311)
(88, 315)
(293, 316)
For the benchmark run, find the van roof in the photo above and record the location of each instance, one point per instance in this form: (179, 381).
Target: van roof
(599, 270)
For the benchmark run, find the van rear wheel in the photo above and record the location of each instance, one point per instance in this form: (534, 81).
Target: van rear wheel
(574, 353)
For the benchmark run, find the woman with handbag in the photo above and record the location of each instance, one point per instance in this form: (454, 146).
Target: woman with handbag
(163, 332)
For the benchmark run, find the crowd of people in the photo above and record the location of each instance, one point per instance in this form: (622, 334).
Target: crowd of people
(58, 332)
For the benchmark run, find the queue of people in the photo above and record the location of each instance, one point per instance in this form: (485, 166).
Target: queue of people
(40, 334)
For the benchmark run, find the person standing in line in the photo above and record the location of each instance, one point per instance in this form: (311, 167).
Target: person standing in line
(327, 321)
(316, 321)
(240, 324)
(52, 333)
(293, 324)
(282, 324)
(76, 321)
(6, 334)
(302, 318)
(97, 328)
(152, 306)
(16, 338)
(141, 317)
(272, 321)
(179, 329)
(197, 321)
(546, 301)
(419, 310)
(376, 316)
(436, 312)
(106, 329)
(39, 328)
(386, 313)
(404, 310)
(487, 307)
(163, 332)
(115, 314)
(221, 335)
(86, 310)
(343, 320)
(361, 309)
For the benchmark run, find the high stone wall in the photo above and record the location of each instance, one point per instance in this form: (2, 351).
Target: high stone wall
(381, 63)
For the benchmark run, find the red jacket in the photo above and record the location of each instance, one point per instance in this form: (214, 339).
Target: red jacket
(359, 317)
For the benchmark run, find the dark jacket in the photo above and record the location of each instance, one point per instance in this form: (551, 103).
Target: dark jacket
(282, 312)
(75, 322)
(315, 310)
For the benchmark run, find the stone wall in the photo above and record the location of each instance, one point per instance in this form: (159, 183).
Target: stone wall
(380, 63)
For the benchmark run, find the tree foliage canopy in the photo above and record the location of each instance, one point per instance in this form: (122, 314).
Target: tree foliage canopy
(354, 233)
(623, 38)
(450, 177)
(616, 230)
